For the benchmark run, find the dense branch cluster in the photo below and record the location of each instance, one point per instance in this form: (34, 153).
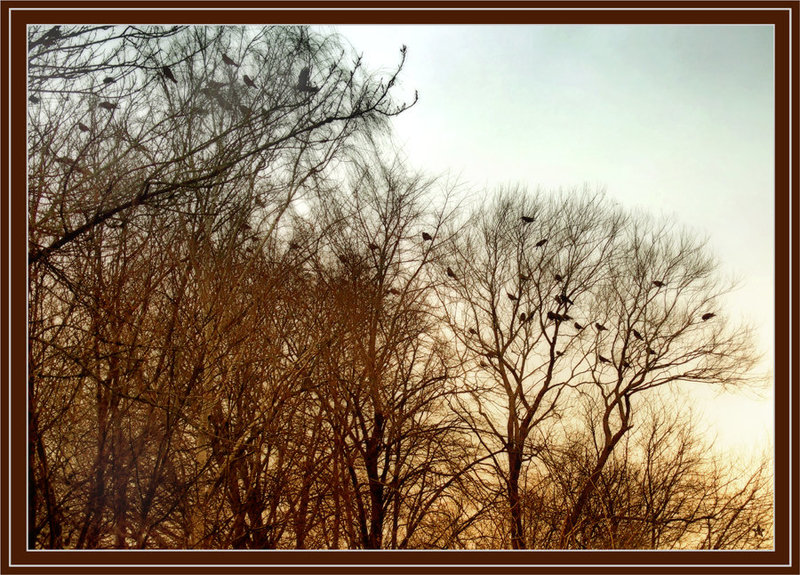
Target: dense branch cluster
(250, 329)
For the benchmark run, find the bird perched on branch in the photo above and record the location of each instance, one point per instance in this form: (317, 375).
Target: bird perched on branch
(558, 277)
(540, 243)
(708, 316)
(637, 335)
(426, 237)
(554, 316)
(451, 273)
(528, 219)
(511, 296)
(302, 81)
(600, 327)
(228, 61)
(107, 106)
(578, 326)
(109, 80)
(523, 317)
(659, 283)
(83, 127)
(603, 359)
(249, 81)
(168, 74)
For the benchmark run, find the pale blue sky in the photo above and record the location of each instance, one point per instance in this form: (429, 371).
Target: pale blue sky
(676, 120)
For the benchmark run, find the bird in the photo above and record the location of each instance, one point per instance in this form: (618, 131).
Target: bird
(559, 299)
(650, 351)
(107, 105)
(558, 277)
(659, 283)
(559, 353)
(109, 80)
(540, 243)
(483, 364)
(394, 291)
(168, 74)
(473, 331)
(528, 219)
(566, 316)
(565, 297)
(83, 127)
(707, 316)
(451, 273)
(228, 61)
(554, 316)
(578, 326)
(33, 99)
(637, 335)
(603, 359)
(511, 296)
(625, 364)
(522, 317)
(373, 246)
(249, 81)
(302, 81)
(600, 326)
(426, 237)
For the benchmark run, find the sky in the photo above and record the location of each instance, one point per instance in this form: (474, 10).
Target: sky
(672, 120)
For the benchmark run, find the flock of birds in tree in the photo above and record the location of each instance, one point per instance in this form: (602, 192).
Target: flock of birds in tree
(561, 299)
(303, 81)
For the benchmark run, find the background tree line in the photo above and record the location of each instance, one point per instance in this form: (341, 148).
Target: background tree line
(252, 326)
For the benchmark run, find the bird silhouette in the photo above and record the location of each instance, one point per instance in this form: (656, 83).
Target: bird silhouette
(528, 219)
(511, 296)
(483, 364)
(107, 106)
(566, 316)
(625, 364)
(559, 353)
(451, 273)
(426, 237)
(473, 331)
(603, 359)
(637, 335)
(559, 299)
(707, 316)
(578, 326)
(228, 61)
(650, 351)
(109, 80)
(523, 317)
(33, 99)
(554, 316)
(540, 243)
(659, 283)
(558, 277)
(168, 74)
(302, 81)
(567, 300)
(83, 127)
(249, 81)
(394, 291)
(50, 38)
(600, 327)
(373, 246)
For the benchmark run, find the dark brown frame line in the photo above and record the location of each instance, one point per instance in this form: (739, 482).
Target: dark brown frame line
(17, 14)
